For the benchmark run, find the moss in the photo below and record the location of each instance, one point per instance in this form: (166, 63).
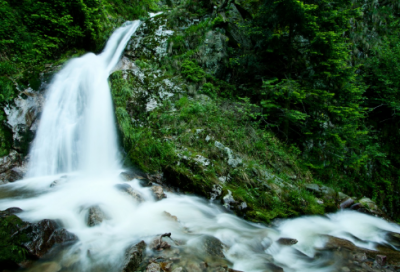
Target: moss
(12, 239)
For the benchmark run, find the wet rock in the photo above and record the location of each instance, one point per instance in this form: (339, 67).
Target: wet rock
(159, 243)
(170, 216)
(158, 192)
(361, 254)
(13, 210)
(129, 190)
(95, 216)
(381, 260)
(12, 175)
(360, 257)
(393, 238)
(22, 117)
(356, 206)
(44, 235)
(157, 178)
(59, 181)
(153, 267)
(10, 161)
(125, 176)
(212, 246)
(287, 241)
(347, 203)
(134, 256)
(47, 267)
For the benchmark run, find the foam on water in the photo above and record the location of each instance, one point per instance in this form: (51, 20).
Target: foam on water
(77, 137)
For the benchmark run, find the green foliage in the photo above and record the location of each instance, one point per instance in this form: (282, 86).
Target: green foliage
(192, 71)
(210, 90)
(12, 239)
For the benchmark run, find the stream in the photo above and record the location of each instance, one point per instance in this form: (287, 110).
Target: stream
(75, 166)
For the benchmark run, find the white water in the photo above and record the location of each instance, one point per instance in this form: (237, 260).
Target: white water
(77, 138)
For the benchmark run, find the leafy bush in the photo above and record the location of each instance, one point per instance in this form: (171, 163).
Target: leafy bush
(192, 71)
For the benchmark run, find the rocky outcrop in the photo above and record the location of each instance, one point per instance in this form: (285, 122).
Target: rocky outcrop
(44, 235)
(361, 259)
(12, 167)
(23, 116)
(20, 240)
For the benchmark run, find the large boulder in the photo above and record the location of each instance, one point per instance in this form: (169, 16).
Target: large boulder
(20, 240)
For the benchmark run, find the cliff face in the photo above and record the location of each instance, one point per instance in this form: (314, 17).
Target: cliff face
(177, 120)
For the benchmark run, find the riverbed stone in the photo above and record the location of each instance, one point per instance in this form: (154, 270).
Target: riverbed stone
(47, 267)
(134, 256)
(158, 192)
(153, 267)
(95, 216)
(44, 234)
(287, 241)
(212, 246)
(347, 203)
(130, 191)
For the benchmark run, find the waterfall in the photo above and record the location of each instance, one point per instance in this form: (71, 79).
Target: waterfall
(76, 150)
(77, 127)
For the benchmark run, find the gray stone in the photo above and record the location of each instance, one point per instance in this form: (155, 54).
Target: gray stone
(381, 260)
(153, 267)
(347, 203)
(95, 216)
(342, 197)
(229, 201)
(130, 191)
(134, 256)
(158, 192)
(216, 191)
(287, 241)
(233, 160)
(125, 176)
(212, 246)
(44, 234)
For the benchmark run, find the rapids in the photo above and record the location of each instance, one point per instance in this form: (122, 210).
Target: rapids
(76, 143)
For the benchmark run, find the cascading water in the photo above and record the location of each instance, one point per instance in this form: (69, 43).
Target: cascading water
(77, 130)
(76, 144)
